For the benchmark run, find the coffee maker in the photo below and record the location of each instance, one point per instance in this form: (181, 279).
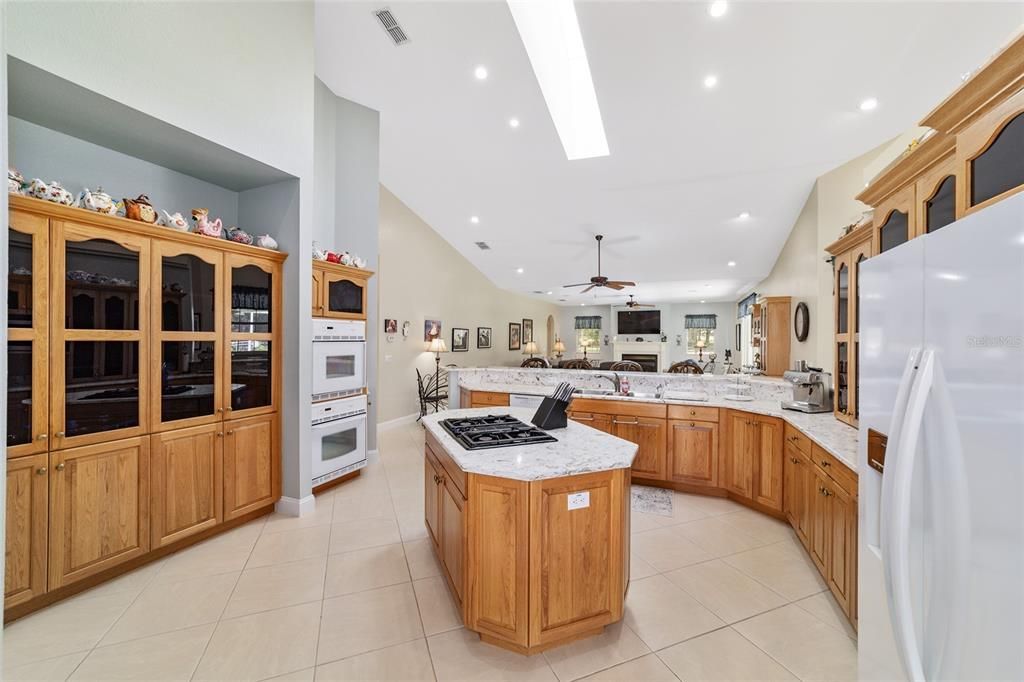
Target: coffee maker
(812, 390)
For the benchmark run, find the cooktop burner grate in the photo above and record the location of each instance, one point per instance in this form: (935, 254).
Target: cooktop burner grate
(494, 431)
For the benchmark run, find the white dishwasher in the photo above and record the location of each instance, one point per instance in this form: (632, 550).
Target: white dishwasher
(523, 400)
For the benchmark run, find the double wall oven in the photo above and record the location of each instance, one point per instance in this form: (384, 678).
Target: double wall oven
(339, 398)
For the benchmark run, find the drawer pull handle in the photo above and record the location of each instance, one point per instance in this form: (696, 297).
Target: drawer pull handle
(693, 424)
(60, 467)
(41, 470)
(632, 423)
(582, 419)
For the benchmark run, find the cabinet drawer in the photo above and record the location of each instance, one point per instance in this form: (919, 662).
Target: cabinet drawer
(488, 398)
(690, 412)
(798, 439)
(834, 469)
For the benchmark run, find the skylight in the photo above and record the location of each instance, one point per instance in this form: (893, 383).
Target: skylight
(551, 35)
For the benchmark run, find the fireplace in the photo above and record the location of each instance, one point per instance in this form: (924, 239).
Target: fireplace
(649, 361)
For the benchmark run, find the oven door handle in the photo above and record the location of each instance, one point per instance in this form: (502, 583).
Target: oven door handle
(334, 423)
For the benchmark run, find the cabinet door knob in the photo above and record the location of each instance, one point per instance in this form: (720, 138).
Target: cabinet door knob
(220, 434)
(42, 436)
(41, 470)
(794, 460)
(230, 432)
(220, 409)
(692, 424)
(59, 434)
(826, 463)
(60, 467)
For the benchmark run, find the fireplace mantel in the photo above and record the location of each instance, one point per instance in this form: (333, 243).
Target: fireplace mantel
(643, 348)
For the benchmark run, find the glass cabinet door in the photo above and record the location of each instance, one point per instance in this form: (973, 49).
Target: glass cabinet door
(253, 321)
(185, 308)
(99, 327)
(27, 334)
(344, 296)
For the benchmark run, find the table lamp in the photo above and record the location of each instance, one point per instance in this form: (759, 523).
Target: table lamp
(559, 348)
(437, 346)
(530, 348)
(700, 350)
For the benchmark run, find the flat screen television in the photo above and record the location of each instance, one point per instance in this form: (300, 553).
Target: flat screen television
(639, 322)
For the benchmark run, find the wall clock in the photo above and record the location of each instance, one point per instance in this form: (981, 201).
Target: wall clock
(801, 322)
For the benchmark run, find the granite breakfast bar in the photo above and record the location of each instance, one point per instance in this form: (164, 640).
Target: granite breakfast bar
(533, 539)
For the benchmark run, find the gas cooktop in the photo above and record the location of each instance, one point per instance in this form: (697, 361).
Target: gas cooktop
(494, 431)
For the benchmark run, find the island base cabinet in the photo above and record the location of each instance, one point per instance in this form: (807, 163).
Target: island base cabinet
(250, 465)
(431, 500)
(453, 539)
(186, 482)
(99, 508)
(798, 484)
(25, 556)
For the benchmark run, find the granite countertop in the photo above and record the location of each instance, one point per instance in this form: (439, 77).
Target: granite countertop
(578, 450)
(837, 438)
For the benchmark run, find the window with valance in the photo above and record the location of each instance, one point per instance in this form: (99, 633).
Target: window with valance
(700, 333)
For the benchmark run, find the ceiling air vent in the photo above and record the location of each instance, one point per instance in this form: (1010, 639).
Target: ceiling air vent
(483, 246)
(390, 24)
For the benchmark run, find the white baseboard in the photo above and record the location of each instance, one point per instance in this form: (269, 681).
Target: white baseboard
(290, 506)
(392, 423)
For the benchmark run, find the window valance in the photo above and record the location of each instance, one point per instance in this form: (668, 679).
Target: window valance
(701, 321)
(744, 307)
(588, 322)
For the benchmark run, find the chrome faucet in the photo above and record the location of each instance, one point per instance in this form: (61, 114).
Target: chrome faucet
(615, 379)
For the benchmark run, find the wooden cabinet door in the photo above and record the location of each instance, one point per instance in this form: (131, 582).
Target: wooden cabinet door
(99, 508)
(453, 537)
(28, 335)
(344, 296)
(693, 452)
(253, 325)
(431, 499)
(769, 459)
(25, 556)
(251, 463)
(318, 293)
(739, 453)
(796, 490)
(649, 434)
(186, 482)
(601, 422)
(820, 523)
(840, 568)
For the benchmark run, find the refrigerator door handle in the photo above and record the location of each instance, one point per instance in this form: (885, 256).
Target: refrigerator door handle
(896, 498)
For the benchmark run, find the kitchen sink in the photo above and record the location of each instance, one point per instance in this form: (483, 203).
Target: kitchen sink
(594, 391)
(650, 396)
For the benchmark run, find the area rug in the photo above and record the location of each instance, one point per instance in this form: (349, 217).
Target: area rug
(651, 500)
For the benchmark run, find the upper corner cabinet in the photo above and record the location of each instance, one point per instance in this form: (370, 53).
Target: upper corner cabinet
(343, 291)
(992, 153)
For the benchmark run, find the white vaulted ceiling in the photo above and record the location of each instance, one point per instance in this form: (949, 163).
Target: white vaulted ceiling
(685, 160)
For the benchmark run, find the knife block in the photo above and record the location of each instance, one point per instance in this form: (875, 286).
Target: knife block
(550, 414)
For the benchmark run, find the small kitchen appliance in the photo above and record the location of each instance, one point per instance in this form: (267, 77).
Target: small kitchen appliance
(812, 391)
(339, 358)
(339, 438)
(493, 431)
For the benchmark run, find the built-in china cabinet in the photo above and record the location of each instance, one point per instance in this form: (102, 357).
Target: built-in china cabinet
(143, 394)
(970, 158)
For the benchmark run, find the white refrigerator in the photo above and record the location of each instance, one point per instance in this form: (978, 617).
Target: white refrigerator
(941, 534)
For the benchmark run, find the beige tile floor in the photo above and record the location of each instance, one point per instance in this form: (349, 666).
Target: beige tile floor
(353, 592)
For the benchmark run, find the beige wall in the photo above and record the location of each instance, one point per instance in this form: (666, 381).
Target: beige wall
(422, 277)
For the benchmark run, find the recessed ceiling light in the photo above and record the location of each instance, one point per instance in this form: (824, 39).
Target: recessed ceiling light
(703, 301)
(513, 122)
(718, 8)
(519, 270)
(710, 81)
(582, 303)
(551, 35)
(550, 292)
(731, 264)
(481, 73)
(870, 104)
(743, 216)
(474, 219)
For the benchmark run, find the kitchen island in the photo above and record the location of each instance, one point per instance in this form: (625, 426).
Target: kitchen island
(533, 539)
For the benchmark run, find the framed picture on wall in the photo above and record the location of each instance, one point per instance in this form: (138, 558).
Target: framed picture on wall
(527, 330)
(431, 328)
(390, 326)
(483, 337)
(514, 338)
(460, 340)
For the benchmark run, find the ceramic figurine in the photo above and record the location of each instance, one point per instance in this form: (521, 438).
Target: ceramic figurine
(140, 209)
(237, 234)
(205, 226)
(318, 252)
(174, 221)
(52, 192)
(98, 201)
(266, 241)
(15, 181)
(358, 262)
(345, 258)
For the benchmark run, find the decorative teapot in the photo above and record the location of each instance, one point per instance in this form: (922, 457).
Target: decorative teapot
(140, 209)
(204, 225)
(15, 181)
(345, 258)
(175, 221)
(237, 234)
(266, 241)
(358, 261)
(319, 253)
(98, 201)
(53, 192)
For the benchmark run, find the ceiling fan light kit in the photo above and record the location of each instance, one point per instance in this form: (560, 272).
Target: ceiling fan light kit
(599, 280)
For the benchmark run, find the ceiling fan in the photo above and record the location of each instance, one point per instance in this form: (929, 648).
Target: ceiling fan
(599, 280)
(633, 303)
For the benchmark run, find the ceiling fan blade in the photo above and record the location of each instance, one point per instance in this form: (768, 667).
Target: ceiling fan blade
(621, 283)
(644, 305)
(567, 286)
(614, 285)
(588, 288)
